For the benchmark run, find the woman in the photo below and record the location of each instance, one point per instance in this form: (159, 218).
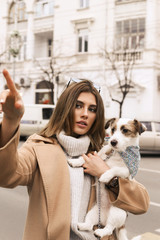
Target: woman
(59, 196)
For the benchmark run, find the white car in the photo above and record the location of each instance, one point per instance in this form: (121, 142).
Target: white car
(150, 139)
(35, 117)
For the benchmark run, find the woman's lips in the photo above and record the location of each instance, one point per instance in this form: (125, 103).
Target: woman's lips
(82, 124)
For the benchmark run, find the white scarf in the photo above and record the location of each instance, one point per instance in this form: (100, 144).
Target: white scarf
(80, 183)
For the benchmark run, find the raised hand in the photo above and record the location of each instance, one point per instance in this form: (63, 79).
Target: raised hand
(12, 106)
(11, 101)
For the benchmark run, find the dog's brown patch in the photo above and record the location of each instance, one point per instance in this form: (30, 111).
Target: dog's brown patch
(113, 126)
(110, 122)
(139, 126)
(131, 128)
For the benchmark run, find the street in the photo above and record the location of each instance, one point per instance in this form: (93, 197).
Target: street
(149, 176)
(14, 203)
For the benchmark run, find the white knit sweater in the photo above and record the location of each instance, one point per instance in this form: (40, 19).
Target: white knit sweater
(80, 184)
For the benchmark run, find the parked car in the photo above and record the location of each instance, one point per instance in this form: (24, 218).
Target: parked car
(35, 117)
(150, 139)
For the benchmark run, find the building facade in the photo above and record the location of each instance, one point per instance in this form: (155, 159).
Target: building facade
(60, 39)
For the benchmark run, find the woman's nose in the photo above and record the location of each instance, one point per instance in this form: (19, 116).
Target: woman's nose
(85, 112)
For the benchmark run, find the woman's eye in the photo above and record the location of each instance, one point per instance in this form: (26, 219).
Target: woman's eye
(93, 109)
(78, 105)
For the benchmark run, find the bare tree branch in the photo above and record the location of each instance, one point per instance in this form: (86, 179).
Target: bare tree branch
(123, 71)
(2, 54)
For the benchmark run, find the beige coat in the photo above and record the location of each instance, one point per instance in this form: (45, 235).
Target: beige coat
(41, 165)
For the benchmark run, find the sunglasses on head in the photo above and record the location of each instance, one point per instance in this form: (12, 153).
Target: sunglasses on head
(77, 80)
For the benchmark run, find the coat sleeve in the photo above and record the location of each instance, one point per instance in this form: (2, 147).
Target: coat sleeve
(130, 196)
(17, 166)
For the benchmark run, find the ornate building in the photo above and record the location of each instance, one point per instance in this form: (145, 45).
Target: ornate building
(45, 42)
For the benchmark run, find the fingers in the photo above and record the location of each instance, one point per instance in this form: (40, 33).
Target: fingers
(1, 102)
(88, 161)
(18, 104)
(10, 82)
(89, 156)
(88, 166)
(86, 158)
(3, 97)
(12, 91)
(94, 165)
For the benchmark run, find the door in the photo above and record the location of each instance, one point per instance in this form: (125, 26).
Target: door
(147, 138)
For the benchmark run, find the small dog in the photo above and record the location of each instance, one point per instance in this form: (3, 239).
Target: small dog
(123, 150)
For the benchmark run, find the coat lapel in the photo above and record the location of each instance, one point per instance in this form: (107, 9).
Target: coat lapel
(55, 176)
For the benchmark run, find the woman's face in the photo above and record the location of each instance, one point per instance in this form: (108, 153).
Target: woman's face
(85, 113)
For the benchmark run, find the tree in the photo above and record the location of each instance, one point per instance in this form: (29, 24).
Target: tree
(51, 72)
(122, 64)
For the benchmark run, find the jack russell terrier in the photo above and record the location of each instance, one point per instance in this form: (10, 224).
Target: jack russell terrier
(122, 155)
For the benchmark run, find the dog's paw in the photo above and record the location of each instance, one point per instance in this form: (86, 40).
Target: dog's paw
(102, 232)
(104, 152)
(76, 162)
(99, 233)
(106, 177)
(85, 226)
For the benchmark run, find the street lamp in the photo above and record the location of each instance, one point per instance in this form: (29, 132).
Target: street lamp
(14, 47)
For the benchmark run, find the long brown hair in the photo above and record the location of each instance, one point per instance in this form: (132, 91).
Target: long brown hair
(62, 117)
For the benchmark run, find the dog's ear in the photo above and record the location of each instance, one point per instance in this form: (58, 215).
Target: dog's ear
(109, 122)
(139, 126)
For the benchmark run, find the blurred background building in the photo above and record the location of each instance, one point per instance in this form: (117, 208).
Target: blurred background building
(114, 43)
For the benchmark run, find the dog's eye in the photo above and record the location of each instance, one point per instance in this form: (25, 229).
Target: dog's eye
(125, 130)
(113, 130)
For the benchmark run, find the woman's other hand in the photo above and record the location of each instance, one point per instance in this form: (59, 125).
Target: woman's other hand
(94, 165)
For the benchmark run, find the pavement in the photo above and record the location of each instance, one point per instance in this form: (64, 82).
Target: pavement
(147, 236)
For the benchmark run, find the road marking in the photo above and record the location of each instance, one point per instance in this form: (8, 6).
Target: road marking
(153, 171)
(149, 170)
(147, 236)
(137, 238)
(155, 204)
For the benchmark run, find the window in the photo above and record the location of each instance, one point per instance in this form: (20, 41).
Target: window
(82, 27)
(157, 126)
(17, 10)
(21, 11)
(23, 50)
(83, 40)
(148, 125)
(47, 112)
(50, 46)
(130, 34)
(44, 92)
(44, 8)
(84, 3)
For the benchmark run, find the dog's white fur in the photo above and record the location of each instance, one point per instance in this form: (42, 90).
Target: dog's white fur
(112, 217)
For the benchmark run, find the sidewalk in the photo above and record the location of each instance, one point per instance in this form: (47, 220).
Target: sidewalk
(147, 236)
